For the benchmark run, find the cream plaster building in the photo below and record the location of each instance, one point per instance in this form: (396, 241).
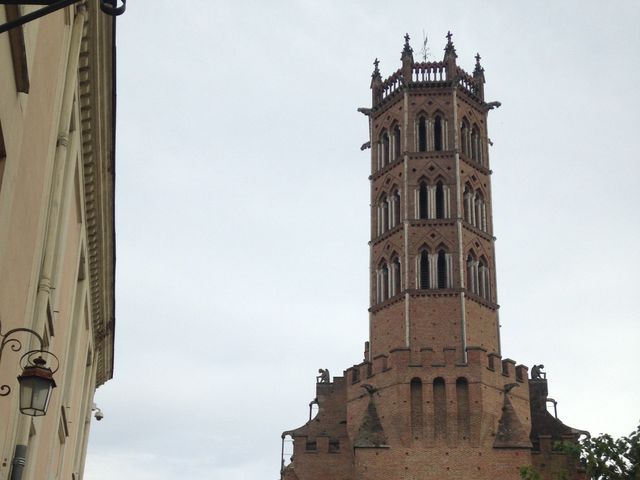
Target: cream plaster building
(57, 239)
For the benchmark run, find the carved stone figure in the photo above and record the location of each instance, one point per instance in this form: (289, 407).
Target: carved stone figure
(537, 373)
(324, 376)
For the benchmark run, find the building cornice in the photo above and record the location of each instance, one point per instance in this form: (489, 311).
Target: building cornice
(96, 87)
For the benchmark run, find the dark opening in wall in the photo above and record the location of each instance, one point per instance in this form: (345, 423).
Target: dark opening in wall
(422, 134)
(437, 134)
(439, 200)
(423, 202)
(440, 407)
(416, 408)
(424, 269)
(442, 269)
(462, 397)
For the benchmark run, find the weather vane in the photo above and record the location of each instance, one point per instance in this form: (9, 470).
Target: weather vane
(425, 50)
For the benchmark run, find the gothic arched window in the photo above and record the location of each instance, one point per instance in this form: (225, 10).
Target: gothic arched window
(476, 145)
(395, 208)
(396, 279)
(438, 133)
(483, 278)
(397, 143)
(443, 270)
(422, 133)
(440, 200)
(465, 137)
(385, 148)
(423, 200)
(424, 270)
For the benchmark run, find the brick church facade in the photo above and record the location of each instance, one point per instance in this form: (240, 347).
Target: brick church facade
(433, 398)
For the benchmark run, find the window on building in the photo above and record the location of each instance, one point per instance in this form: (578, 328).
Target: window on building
(383, 215)
(438, 133)
(422, 133)
(424, 270)
(483, 278)
(423, 200)
(397, 143)
(443, 271)
(468, 203)
(395, 286)
(385, 149)
(472, 277)
(476, 145)
(465, 138)
(395, 208)
(440, 200)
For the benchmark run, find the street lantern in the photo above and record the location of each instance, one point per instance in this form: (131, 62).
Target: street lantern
(36, 384)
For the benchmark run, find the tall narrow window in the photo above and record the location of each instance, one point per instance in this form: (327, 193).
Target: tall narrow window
(462, 399)
(422, 134)
(442, 270)
(464, 137)
(438, 130)
(476, 146)
(384, 214)
(385, 149)
(440, 407)
(424, 270)
(471, 280)
(396, 143)
(440, 200)
(468, 203)
(395, 200)
(396, 279)
(483, 277)
(385, 282)
(423, 200)
(416, 408)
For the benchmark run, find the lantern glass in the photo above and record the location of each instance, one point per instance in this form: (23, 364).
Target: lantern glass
(35, 392)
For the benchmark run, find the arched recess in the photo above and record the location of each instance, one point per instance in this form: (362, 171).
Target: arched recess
(394, 208)
(472, 273)
(396, 141)
(417, 415)
(468, 203)
(440, 408)
(465, 137)
(395, 285)
(476, 144)
(422, 124)
(423, 202)
(439, 132)
(382, 281)
(424, 269)
(382, 213)
(462, 399)
(385, 142)
(484, 278)
(443, 274)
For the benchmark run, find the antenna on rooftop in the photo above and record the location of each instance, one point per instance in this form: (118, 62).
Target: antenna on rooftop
(425, 50)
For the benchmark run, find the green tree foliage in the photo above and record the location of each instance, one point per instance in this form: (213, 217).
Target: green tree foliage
(607, 459)
(603, 457)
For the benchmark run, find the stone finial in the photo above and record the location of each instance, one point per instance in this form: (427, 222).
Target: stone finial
(478, 71)
(376, 70)
(450, 50)
(407, 47)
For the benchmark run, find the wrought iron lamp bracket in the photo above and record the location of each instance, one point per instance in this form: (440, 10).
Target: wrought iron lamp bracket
(110, 7)
(15, 345)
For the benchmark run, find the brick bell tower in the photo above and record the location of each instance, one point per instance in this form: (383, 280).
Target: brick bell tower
(433, 397)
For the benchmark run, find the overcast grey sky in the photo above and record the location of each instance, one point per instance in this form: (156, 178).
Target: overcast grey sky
(243, 217)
